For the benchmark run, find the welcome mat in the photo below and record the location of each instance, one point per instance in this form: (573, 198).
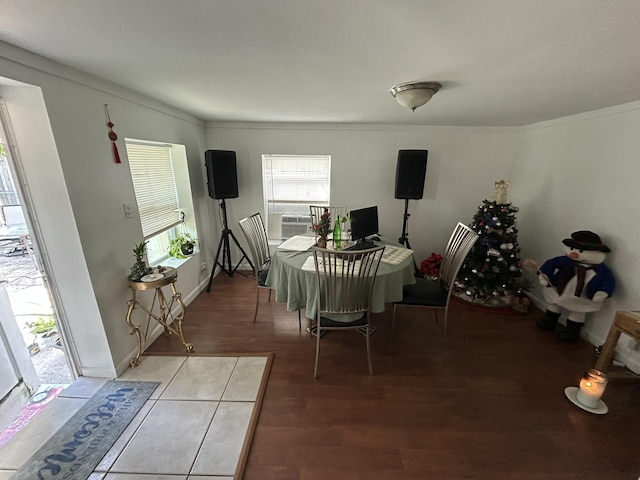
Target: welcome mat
(36, 404)
(79, 445)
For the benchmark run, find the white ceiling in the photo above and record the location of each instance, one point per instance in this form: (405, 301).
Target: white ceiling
(501, 62)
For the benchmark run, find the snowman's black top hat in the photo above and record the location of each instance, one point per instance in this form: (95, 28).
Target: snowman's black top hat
(586, 240)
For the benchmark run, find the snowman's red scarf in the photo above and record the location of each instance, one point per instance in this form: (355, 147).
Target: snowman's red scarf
(568, 272)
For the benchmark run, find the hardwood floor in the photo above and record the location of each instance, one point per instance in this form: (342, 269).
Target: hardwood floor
(489, 404)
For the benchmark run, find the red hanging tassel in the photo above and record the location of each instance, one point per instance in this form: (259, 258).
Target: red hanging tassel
(112, 135)
(116, 155)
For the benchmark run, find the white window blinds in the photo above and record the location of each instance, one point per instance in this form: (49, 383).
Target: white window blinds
(296, 179)
(154, 185)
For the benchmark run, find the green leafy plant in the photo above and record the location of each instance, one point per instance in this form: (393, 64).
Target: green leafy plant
(139, 268)
(138, 251)
(182, 246)
(42, 325)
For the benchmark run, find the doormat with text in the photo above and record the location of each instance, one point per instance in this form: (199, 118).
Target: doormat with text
(79, 445)
(37, 402)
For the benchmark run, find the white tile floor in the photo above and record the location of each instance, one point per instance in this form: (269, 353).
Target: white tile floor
(192, 427)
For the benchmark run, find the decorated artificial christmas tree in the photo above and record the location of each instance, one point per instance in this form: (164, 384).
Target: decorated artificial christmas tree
(491, 275)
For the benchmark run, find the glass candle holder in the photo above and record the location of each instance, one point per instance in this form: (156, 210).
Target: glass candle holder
(592, 385)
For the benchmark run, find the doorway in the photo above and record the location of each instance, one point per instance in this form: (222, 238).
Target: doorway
(24, 278)
(32, 345)
(30, 301)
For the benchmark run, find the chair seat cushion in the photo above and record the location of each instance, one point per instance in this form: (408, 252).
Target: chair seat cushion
(262, 277)
(425, 292)
(330, 323)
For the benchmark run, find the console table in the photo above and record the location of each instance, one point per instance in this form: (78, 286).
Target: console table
(159, 309)
(627, 322)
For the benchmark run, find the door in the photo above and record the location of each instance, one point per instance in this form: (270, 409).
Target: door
(19, 342)
(18, 377)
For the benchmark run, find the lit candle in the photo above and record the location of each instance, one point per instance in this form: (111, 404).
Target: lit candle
(592, 386)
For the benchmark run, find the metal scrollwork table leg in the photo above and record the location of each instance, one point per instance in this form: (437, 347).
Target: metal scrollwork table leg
(160, 310)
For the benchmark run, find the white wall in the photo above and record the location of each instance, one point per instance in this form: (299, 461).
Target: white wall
(582, 173)
(461, 168)
(92, 272)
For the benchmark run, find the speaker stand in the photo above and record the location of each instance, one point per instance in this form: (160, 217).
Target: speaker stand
(404, 238)
(225, 250)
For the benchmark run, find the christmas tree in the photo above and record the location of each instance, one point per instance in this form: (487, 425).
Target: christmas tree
(491, 275)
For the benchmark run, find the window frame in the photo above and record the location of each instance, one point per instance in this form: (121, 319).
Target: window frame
(180, 186)
(291, 169)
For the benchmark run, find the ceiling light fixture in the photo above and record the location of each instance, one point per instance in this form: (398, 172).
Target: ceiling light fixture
(414, 94)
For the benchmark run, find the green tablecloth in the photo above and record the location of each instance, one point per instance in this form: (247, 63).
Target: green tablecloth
(297, 287)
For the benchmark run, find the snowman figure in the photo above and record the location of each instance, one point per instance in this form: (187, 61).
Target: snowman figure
(577, 282)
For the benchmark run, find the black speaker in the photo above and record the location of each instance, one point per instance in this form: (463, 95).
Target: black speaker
(410, 173)
(222, 178)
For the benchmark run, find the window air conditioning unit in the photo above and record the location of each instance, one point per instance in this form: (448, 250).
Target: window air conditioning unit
(293, 225)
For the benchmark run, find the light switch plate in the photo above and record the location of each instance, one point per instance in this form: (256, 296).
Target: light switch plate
(128, 210)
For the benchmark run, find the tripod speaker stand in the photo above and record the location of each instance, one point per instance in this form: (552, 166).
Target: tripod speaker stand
(404, 238)
(411, 172)
(225, 250)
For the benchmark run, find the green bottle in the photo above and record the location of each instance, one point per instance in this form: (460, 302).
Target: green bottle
(337, 235)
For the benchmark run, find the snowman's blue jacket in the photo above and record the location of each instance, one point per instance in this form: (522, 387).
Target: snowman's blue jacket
(603, 281)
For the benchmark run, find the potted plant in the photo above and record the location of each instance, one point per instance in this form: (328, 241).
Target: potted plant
(42, 325)
(182, 246)
(140, 268)
(45, 330)
(322, 229)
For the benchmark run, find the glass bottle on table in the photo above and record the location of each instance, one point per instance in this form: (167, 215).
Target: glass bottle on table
(337, 235)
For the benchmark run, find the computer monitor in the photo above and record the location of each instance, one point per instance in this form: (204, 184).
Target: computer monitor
(364, 222)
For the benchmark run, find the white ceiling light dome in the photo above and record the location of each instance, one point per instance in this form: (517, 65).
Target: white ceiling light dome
(414, 94)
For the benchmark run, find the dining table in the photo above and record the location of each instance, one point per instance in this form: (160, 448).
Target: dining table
(293, 277)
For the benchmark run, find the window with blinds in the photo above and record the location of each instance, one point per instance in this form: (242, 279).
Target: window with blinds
(290, 184)
(154, 185)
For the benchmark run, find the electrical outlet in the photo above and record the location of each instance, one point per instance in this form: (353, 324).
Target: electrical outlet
(203, 267)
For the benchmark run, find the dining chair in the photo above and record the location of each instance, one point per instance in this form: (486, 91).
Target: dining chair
(335, 212)
(344, 285)
(435, 294)
(256, 235)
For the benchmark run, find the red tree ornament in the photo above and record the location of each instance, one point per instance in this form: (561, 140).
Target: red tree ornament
(112, 135)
